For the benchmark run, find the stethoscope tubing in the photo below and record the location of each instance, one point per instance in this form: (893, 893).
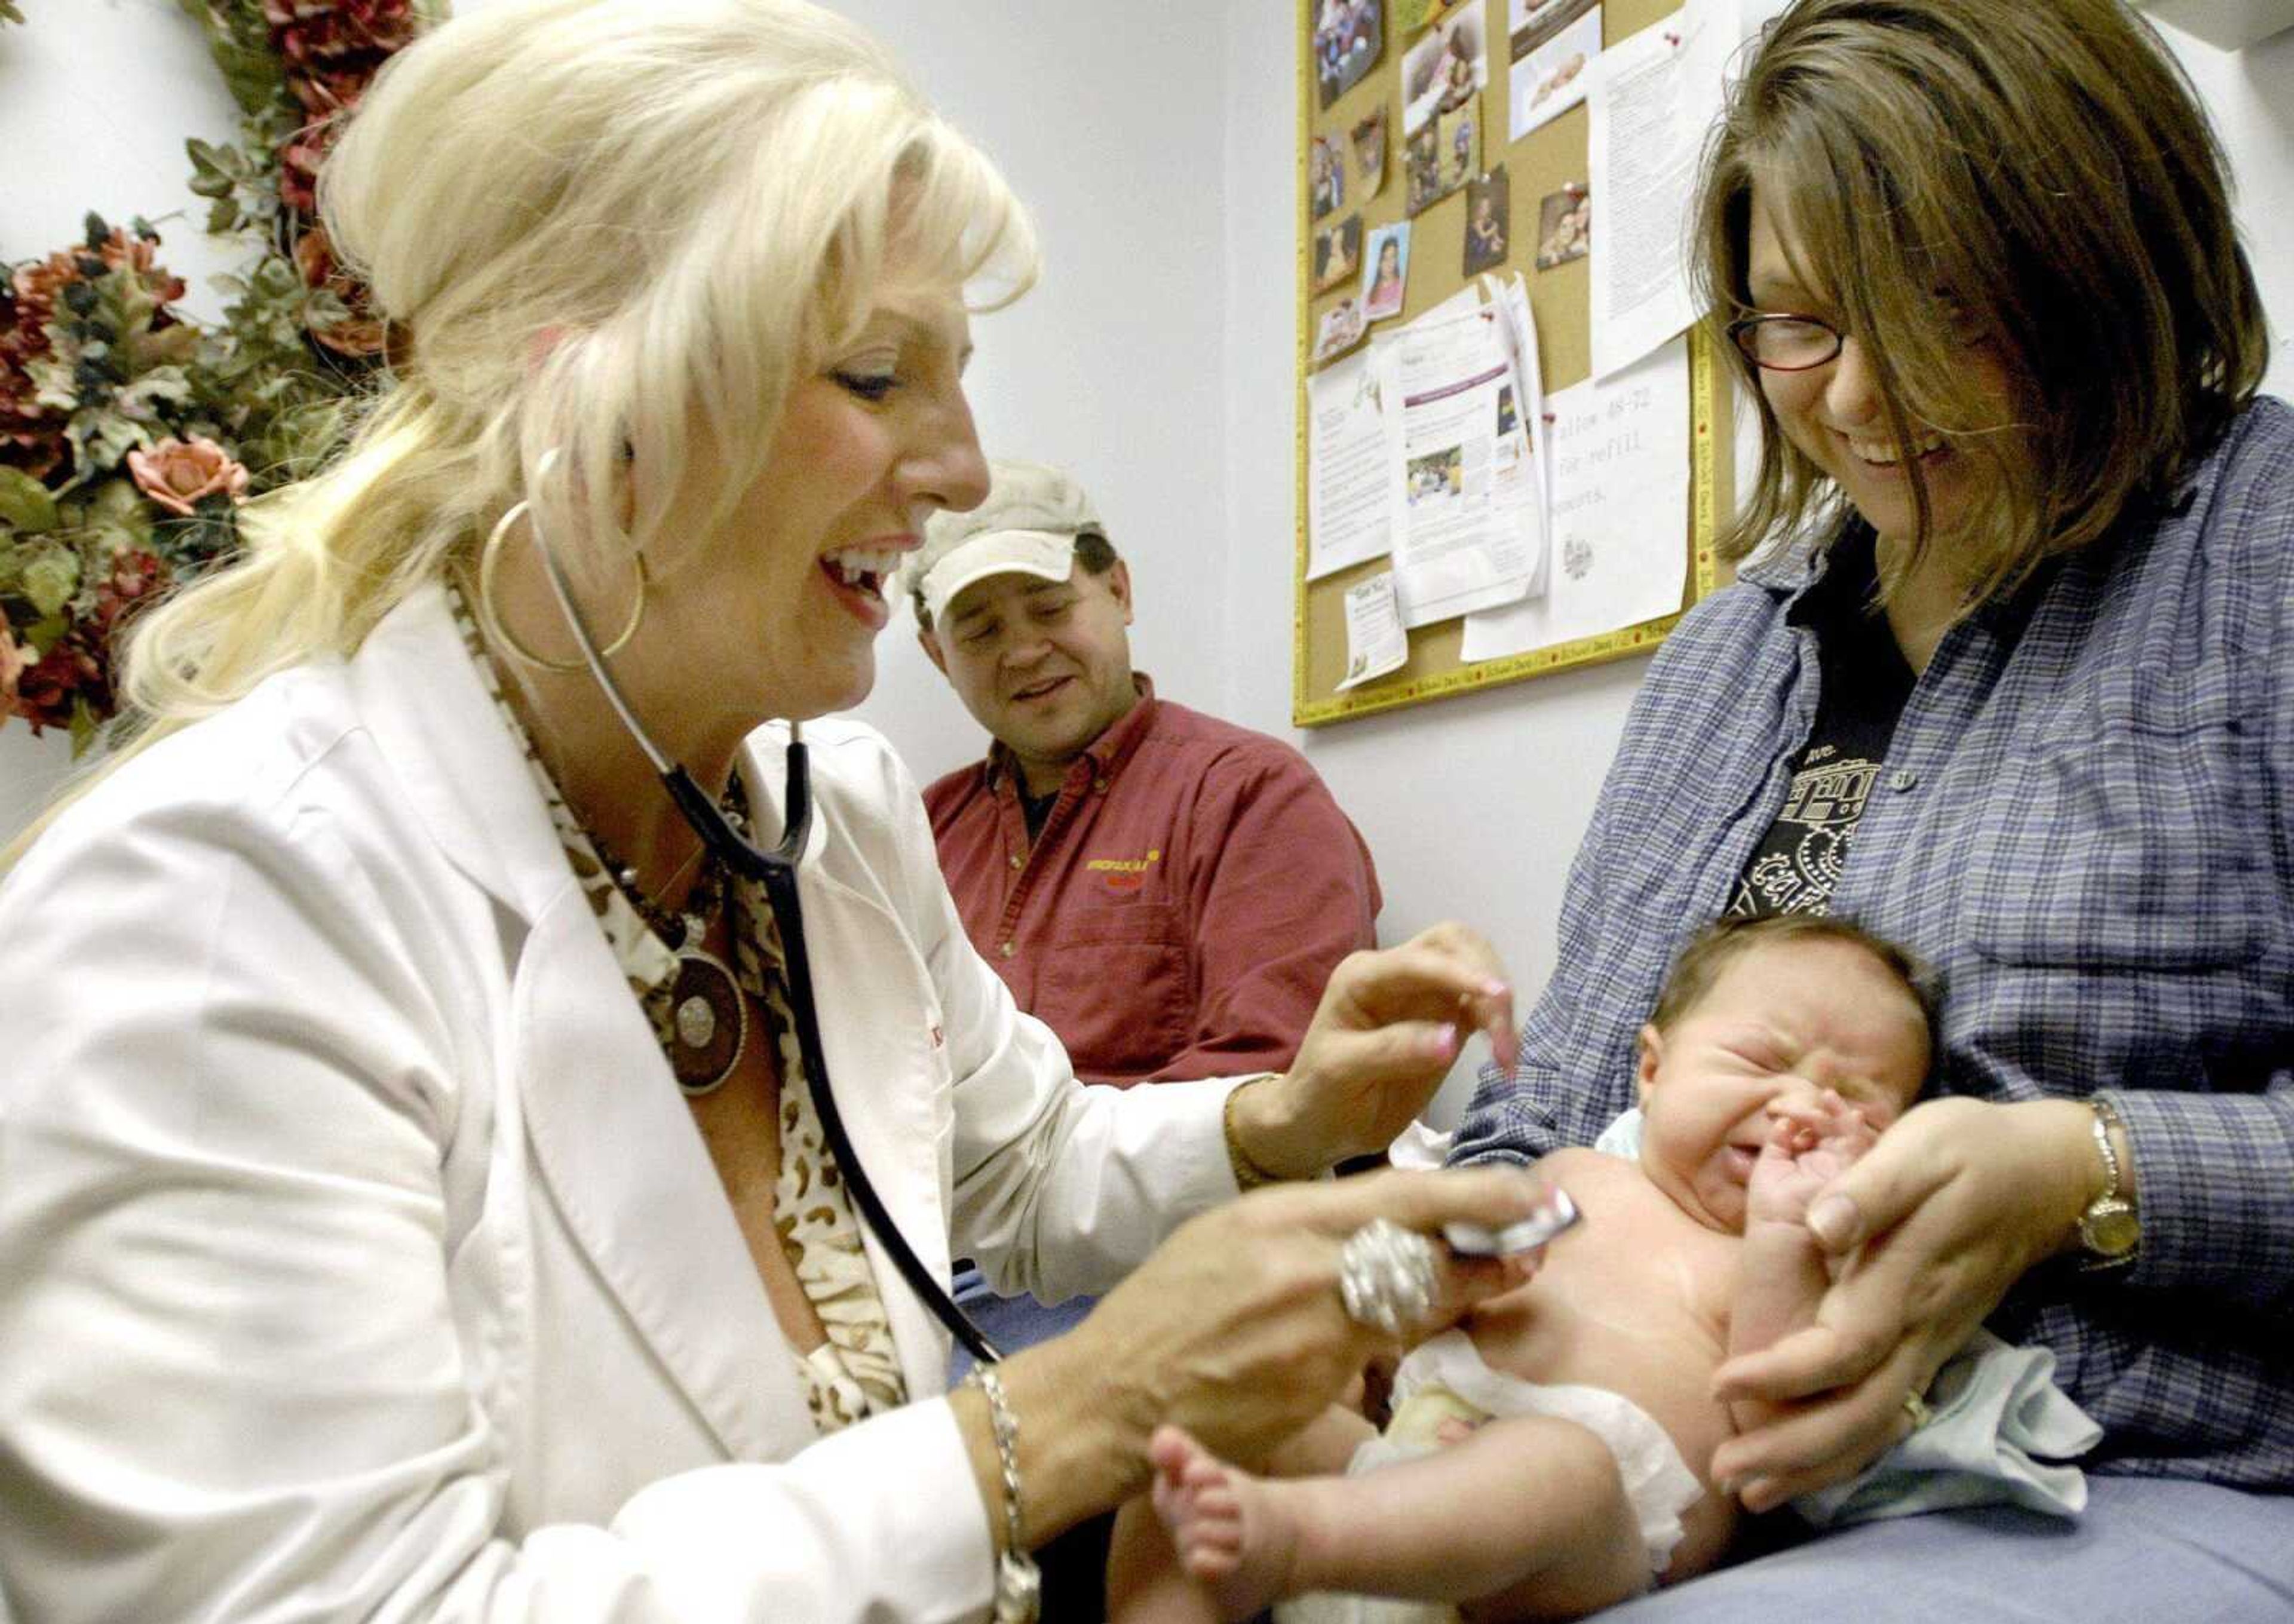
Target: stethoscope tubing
(776, 872)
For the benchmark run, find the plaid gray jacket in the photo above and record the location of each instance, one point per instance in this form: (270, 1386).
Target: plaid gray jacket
(2086, 821)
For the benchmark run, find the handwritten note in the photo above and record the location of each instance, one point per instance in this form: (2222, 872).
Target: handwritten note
(1376, 642)
(1618, 453)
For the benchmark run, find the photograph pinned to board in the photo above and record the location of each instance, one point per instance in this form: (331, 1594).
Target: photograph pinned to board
(1489, 221)
(1385, 270)
(1461, 146)
(1346, 39)
(1338, 253)
(1369, 140)
(1376, 642)
(1341, 328)
(1565, 225)
(1551, 52)
(1443, 157)
(1326, 177)
(1444, 70)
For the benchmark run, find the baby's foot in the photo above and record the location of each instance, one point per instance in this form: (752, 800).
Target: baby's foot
(1229, 1529)
(1810, 1143)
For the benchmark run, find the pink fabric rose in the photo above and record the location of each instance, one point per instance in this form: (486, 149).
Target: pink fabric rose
(176, 473)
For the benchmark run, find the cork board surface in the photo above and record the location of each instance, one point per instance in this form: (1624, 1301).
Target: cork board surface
(1545, 161)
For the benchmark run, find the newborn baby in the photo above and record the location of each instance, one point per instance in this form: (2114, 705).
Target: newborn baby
(1548, 1459)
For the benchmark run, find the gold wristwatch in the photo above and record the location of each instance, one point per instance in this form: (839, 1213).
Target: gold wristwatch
(2109, 1228)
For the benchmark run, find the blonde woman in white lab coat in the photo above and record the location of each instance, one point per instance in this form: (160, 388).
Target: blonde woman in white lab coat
(412, 1205)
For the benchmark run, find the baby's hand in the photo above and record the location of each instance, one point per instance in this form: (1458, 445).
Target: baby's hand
(1811, 1141)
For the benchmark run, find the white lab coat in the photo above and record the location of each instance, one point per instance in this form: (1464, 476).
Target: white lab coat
(358, 1257)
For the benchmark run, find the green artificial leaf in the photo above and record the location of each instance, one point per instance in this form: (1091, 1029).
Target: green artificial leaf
(45, 633)
(24, 504)
(276, 278)
(8, 11)
(208, 166)
(49, 579)
(252, 73)
(142, 399)
(224, 216)
(118, 516)
(101, 439)
(85, 722)
(51, 379)
(171, 348)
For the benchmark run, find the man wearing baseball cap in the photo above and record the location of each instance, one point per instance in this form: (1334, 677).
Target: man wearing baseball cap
(1166, 891)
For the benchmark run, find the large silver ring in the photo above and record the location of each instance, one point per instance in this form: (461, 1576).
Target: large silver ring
(1385, 1277)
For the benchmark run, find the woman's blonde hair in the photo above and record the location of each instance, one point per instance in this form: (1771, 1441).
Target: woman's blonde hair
(607, 226)
(2037, 175)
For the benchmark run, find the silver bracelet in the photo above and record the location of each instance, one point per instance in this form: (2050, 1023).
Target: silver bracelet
(1019, 1581)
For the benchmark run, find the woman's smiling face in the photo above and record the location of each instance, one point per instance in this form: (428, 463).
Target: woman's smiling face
(868, 444)
(1836, 415)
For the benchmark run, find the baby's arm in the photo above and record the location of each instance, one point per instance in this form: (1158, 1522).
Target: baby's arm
(1780, 1270)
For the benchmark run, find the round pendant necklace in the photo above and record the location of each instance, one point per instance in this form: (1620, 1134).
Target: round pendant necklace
(708, 1016)
(708, 1012)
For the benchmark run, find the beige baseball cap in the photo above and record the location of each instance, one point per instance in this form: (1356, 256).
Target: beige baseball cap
(1027, 526)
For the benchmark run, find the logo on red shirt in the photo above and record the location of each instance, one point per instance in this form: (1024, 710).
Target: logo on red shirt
(1124, 874)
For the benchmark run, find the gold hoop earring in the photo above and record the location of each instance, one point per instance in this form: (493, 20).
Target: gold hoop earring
(496, 629)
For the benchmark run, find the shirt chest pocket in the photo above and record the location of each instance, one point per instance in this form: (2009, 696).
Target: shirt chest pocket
(1115, 988)
(2130, 847)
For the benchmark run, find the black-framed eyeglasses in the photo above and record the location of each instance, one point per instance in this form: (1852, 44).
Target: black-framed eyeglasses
(1786, 343)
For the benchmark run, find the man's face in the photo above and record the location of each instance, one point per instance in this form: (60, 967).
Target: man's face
(1044, 665)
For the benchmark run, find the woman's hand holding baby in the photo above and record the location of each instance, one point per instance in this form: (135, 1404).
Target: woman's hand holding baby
(1951, 1208)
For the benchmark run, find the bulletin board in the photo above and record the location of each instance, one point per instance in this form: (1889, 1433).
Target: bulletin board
(1545, 160)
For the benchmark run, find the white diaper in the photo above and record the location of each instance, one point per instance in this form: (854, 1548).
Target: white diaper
(1659, 1486)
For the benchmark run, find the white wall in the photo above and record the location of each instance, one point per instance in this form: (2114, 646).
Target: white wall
(1113, 366)
(1156, 359)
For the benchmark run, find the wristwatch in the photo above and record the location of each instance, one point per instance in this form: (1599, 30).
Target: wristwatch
(2110, 1229)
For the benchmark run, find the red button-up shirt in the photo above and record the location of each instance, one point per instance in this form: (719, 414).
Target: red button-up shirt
(1191, 891)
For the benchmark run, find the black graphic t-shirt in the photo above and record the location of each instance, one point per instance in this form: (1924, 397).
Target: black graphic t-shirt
(1864, 684)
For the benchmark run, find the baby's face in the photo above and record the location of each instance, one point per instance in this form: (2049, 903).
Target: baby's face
(1784, 1020)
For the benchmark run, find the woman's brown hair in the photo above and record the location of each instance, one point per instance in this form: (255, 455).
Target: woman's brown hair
(2034, 173)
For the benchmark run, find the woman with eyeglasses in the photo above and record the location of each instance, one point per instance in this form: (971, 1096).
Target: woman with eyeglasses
(2007, 675)
(422, 1189)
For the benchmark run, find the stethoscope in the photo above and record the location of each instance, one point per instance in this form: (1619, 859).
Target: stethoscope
(775, 871)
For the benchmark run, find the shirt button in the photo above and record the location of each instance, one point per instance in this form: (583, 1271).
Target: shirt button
(1903, 778)
(1005, 950)
(1018, 861)
(1099, 786)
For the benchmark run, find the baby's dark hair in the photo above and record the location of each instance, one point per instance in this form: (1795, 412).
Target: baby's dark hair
(1713, 949)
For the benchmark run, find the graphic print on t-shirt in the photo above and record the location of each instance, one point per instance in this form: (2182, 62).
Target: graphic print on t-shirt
(1864, 685)
(1802, 854)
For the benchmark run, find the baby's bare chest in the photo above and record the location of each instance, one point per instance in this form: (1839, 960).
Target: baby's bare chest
(1634, 1299)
